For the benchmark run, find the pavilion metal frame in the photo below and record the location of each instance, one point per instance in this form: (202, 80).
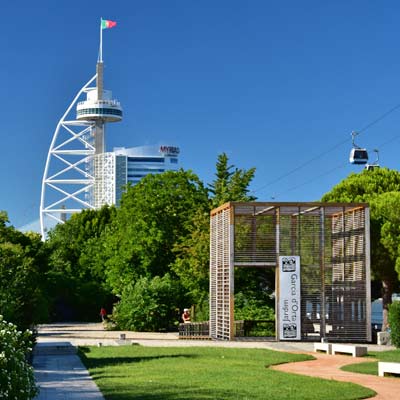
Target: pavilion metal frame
(333, 242)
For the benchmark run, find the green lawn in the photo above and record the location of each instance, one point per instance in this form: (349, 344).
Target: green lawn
(149, 373)
(371, 367)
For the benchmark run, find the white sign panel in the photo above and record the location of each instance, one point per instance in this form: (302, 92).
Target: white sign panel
(289, 298)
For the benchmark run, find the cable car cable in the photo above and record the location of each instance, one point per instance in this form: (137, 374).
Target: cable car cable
(333, 169)
(362, 130)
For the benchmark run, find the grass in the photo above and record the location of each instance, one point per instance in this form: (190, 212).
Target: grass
(199, 373)
(371, 367)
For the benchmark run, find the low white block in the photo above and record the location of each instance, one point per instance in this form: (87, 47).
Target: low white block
(355, 351)
(388, 367)
(326, 347)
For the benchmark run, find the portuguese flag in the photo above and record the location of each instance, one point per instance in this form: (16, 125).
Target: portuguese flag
(105, 24)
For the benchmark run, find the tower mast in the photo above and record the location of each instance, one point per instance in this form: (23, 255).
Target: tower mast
(78, 172)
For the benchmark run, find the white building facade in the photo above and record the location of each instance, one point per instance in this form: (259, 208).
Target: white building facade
(134, 163)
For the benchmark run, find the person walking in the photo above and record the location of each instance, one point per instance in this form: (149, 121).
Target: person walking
(103, 314)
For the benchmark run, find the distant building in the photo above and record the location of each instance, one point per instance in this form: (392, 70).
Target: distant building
(134, 163)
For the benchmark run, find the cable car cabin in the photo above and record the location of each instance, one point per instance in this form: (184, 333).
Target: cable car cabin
(358, 156)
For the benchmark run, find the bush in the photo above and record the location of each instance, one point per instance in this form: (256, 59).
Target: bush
(250, 308)
(394, 322)
(149, 305)
(16, 375)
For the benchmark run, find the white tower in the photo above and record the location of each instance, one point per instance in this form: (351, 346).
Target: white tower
(78, 172)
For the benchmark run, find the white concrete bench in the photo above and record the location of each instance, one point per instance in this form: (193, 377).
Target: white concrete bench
(355, 351)
(388, 367)
(325, 347)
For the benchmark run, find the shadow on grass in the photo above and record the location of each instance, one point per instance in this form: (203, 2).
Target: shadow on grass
(109, 361)
(170, 392)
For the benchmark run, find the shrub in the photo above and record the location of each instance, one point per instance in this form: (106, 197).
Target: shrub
(249, 308)
(394, 322)
(149, 305)
(16, 375)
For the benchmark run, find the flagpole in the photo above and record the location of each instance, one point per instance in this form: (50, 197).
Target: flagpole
(101, 42)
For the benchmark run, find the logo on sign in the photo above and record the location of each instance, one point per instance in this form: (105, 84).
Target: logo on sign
(289, 331)
(169, 150)
(288, 264)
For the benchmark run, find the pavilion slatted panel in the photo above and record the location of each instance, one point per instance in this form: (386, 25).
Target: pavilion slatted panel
(332, 241)
(221, 295)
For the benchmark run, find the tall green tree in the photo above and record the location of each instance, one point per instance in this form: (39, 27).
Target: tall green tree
(380, 188)
(231, 183)
(152, 218)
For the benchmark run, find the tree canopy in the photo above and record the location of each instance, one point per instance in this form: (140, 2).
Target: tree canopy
(22, 262)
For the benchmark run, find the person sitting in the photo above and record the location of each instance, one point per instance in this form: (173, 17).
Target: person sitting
(186, 316)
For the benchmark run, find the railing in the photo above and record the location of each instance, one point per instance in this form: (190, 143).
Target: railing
(194, 330)
(243, 328)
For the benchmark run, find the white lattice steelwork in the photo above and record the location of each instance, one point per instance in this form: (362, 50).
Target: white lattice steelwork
(67, 180)
(332, 243)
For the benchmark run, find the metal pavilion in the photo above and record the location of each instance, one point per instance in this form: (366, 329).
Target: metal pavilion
(321, 255)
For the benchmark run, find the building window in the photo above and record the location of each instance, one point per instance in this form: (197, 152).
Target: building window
(146, 159)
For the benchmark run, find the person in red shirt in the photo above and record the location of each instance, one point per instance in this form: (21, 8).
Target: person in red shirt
(186, 315)
(103, 313)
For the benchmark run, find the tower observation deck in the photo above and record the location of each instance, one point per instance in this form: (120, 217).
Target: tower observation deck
(79, 173)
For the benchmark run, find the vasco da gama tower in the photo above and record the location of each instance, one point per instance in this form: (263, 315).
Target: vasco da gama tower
(79, 173)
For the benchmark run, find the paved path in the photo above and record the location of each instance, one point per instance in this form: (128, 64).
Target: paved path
(61, 375)
(328, 367)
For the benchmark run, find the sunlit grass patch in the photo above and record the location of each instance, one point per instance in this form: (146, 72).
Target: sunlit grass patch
(136, 372)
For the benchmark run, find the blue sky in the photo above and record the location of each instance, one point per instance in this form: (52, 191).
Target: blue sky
(276, 85)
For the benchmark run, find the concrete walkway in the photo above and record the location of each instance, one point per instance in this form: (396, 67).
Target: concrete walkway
(61, 375)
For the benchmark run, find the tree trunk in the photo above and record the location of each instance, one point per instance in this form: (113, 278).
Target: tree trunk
(387, 290)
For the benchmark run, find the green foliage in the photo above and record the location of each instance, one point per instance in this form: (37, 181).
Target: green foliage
(365, 186)
(16, 375)
(394, 322)
(153, 217)
(231, 184)
(74, 299)
(253, 308)
(192, 257)
(71, 243)
(22, 264)
(76, 283)
(149, 305)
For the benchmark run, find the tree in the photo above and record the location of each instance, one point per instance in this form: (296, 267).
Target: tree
(379, 188)
(76, 278)
(152, 218)
(231, 183)
(22, 264)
